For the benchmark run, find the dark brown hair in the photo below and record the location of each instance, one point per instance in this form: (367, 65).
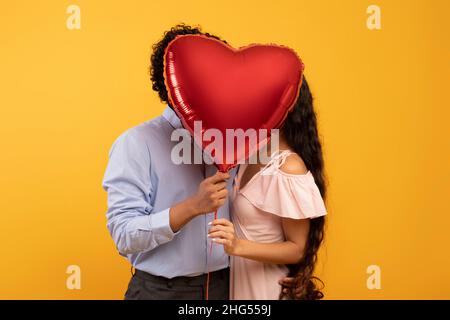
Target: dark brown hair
(300, 131)
(157, 57)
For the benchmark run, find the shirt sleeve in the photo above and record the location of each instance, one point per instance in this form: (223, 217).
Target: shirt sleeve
(127, 180)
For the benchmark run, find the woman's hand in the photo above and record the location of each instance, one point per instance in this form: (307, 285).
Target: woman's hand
(222, 232)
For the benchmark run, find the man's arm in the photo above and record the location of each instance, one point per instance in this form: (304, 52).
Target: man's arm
(128, 183)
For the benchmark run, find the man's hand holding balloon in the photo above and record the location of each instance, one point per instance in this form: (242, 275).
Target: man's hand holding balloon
(210, 196)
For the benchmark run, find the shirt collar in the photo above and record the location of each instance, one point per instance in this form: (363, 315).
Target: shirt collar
(172, 118)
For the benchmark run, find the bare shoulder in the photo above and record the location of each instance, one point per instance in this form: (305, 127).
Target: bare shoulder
(294, 165)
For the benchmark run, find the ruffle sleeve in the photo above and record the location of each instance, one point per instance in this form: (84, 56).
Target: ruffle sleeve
(286, 195)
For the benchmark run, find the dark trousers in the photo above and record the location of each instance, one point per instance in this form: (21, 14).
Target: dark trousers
(144, 286)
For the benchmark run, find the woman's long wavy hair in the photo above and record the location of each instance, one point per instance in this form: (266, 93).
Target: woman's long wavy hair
(301, 134)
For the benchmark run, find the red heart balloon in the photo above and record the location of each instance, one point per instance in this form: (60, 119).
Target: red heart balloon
(253, 87)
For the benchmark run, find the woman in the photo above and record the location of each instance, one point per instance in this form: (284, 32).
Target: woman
(278, 214)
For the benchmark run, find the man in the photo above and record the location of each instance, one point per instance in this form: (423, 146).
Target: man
(157, 210)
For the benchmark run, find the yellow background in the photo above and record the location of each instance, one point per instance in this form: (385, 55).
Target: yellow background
(383, 103)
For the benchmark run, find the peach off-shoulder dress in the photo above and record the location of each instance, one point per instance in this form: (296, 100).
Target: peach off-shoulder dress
(256, 211)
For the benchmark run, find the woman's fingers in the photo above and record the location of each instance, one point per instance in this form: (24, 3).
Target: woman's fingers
(222, 221)
(222, 241)
(221, 235)
(221, 228)
(222, 231)
(286, 282)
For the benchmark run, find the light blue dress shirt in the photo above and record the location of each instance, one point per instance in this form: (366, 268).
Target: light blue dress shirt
(142, 184)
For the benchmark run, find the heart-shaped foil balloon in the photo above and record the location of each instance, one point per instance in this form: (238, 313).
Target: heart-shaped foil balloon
(230, 90)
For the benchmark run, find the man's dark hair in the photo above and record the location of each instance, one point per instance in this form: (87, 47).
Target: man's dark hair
(157, 58)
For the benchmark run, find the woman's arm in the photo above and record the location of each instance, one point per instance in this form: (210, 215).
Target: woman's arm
(288, 252)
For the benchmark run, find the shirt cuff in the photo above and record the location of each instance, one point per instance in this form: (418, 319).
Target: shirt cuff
(160, 225)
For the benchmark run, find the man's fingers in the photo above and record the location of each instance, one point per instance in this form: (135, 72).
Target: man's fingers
(220, 185)
(286, 281)
(219, 176)
(222, 194)
(221, 202)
